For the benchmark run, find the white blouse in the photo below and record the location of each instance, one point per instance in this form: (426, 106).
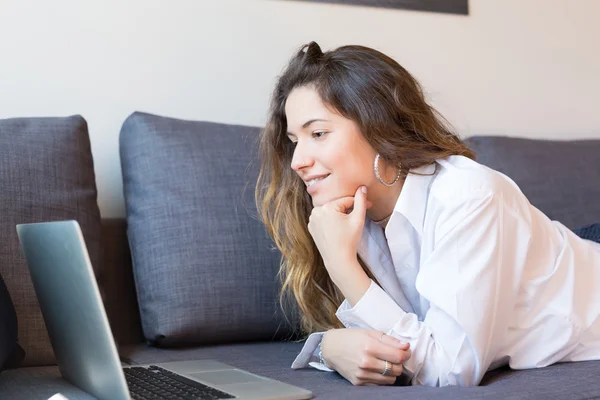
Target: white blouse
(474, 277)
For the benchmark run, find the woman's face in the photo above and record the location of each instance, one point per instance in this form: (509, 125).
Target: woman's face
(331, 156)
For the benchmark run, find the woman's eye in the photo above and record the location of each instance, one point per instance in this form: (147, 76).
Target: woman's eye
(318, 135)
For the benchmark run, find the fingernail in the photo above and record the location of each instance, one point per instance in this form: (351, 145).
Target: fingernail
(364, 189)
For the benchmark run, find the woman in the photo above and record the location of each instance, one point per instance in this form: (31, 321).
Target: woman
(412, 257)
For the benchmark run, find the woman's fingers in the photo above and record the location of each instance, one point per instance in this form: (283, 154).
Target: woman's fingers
(389, 340)
(377, 365)
(389, 349)
(395, 369)
(341, 205)
(368, 378)
(379, 349)
(395, 356)
(392, 341)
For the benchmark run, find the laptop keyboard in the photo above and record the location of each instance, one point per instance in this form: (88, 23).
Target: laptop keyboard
(156, 383)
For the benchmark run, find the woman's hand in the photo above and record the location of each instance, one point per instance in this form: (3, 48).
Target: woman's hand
(336, 227)
(359, 355)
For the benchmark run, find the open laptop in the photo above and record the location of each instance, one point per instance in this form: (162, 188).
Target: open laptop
(80, 334)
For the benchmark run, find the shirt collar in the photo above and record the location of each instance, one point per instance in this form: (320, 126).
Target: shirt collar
(412, 201)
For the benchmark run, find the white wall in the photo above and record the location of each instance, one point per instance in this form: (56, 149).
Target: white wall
(516, 67)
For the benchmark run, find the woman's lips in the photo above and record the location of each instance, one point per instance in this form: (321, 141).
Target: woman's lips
(315, 186)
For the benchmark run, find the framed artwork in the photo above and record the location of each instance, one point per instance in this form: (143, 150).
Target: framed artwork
(443, 6)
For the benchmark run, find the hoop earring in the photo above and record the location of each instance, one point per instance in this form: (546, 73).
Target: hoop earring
(376, 168)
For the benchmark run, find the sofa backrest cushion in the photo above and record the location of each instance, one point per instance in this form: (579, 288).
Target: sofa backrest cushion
(46, 174)
(561, 178)
(204, 268)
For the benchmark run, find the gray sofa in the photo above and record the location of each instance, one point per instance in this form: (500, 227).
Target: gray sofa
(203, 281)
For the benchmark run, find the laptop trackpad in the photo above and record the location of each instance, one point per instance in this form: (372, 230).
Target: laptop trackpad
(226, 377)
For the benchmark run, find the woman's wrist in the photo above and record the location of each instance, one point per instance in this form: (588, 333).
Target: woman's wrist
(321, 357)
(353, 283)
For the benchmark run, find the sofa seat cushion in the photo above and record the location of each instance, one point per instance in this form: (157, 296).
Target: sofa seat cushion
(561, 381)
(46, 174)
(203, 264)
(273, 360)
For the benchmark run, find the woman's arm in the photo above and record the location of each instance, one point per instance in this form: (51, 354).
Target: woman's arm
(471, 280)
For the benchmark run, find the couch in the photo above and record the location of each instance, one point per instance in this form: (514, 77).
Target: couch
(189, 273)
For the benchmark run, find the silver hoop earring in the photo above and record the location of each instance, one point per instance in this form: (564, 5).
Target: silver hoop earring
(376, 168)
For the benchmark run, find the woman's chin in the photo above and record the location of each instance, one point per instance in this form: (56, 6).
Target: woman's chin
(316, 203)
(319, 200)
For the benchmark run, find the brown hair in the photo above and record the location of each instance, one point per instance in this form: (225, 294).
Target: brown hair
(389, 108)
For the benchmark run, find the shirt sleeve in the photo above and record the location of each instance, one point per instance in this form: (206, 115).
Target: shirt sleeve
(470, 281)
(309, 355)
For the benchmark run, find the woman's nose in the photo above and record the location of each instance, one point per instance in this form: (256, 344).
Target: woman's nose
(301, 159)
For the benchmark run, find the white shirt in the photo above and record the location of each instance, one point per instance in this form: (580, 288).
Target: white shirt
(474, 277)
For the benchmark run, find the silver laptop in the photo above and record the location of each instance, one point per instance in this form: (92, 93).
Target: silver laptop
(87, 356)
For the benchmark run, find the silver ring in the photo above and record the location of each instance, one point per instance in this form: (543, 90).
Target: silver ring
(388, 368)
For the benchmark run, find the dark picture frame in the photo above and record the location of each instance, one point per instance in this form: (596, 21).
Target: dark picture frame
(442, 6)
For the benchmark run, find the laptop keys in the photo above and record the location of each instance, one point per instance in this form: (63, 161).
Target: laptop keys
(156, 383)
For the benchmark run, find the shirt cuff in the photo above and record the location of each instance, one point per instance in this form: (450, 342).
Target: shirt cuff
(376, 309)
(345, 306)
(309, 355)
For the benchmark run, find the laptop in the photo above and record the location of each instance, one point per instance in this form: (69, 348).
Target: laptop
(85, 350)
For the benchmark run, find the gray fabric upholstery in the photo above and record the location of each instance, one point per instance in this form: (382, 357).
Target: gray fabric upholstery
(561, 178)
(46, 174)
(560, 381)
(203, 265)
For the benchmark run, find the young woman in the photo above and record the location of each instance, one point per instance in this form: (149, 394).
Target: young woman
(413, 258)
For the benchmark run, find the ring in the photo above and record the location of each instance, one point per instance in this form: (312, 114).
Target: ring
(388, 368)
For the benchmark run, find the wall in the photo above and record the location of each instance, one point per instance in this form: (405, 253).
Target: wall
(515, 67)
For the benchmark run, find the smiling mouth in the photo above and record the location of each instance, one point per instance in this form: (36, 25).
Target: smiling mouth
(313, 181)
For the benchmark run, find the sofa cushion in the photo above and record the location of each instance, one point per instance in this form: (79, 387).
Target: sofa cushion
(204, 268)
(560, 381)
(46, 174)
(558, 177)
(589, 232)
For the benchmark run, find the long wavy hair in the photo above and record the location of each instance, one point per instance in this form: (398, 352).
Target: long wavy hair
(389, 108)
